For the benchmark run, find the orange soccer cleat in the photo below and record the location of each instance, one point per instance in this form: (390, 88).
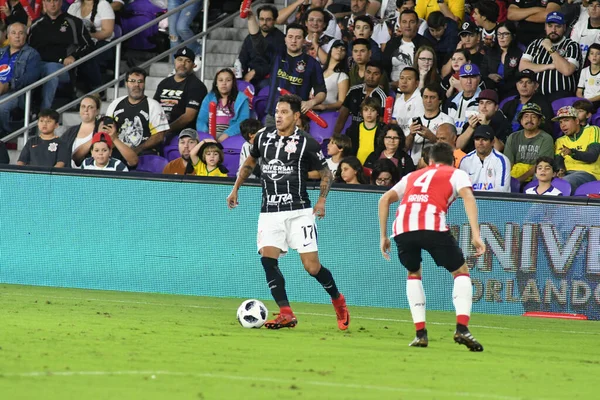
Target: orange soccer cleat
(282, 321)
(341, 312)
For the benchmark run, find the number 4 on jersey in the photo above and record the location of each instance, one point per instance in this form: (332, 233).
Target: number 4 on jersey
(425, 180)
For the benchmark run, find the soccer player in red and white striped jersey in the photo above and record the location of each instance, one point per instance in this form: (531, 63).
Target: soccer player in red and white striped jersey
(420, 224)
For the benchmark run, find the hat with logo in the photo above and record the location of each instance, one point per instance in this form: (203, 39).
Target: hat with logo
(485, 132)
(527, 73)
(468, 70)
(565, 112)
(102, 137)
(488, 94)
(468, 27)
(186, 52)
(531, 108)
(555, 18)
(189, 132)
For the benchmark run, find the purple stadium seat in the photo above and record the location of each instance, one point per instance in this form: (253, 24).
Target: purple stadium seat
(506, 100)
(595, 120)
(515, 185)
(259, 105)
(588, 188)
(171, 152)
(118, 32)
(234, 142)
(151, 163)
(204, 135)
(136, 14)
(242, 85)
(560, 184)
(231, 150)
(322, 134)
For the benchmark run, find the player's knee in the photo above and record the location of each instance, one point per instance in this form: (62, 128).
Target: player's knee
(312, 267)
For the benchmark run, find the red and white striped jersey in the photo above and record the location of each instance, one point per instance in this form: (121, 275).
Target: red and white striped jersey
(426, 195)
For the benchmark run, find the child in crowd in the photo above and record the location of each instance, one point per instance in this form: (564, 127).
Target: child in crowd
(339, 146)
(385, 173)
(589, 79)
(210, 161)
(350, 171)
(584, 109)
(249, 128)
(544, 173)
(101, 159)
(47, 149)
(364, 134)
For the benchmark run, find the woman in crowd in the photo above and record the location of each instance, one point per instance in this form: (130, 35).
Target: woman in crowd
(350, 171)
(451, 82)
(77, 135)
(98, 17)
(426, 64)
(390, 146)
(385, 173)
(336, 77)
(232, 106)
(500, 66)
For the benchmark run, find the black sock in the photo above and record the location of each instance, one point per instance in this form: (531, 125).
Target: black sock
(325, 278)
(462, 328)
(275, 281)
(421, 333)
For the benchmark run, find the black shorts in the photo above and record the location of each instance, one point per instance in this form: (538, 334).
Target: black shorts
(442, 247)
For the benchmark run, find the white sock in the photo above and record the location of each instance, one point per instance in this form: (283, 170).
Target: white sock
(462, 297)
(416, 301)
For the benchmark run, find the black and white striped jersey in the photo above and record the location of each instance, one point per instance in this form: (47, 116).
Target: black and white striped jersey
(284, 163)
(553, 81)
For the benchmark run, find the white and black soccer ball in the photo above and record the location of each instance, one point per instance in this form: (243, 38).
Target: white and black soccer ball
(252, 314)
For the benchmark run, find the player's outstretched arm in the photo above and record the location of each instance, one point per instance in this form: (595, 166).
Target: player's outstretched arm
(471, 209)
(245, 172)
(326, 181)
(389, 197)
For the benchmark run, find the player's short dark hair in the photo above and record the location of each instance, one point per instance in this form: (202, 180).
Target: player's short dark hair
(441, 153)
(594, 46)
(488, 9)
(385, 165)
(365, 18)
(547, 159)
(414, 71)
(375, 64)
(436, 20)
(343, 142)
(400, 3)
(326, 15)
(373, 103)
(249, 127)
(436, 88)
(268, 7)
(293, 100)
(296, 25)
(49, 113)
(412, 12)
(136, 70)
(364, 42)
(585, 105)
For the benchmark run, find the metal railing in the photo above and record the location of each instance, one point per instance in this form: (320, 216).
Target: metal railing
(118, 76)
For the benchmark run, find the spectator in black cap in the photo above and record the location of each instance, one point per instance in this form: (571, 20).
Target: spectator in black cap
(180, 95)
(527, 87)
(470, 39)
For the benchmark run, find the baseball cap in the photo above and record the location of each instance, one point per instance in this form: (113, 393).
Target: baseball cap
(565, 112)
(468, 27)
(527, 73)
(102, 137)
(531, 108)
(555, 18)
(468, 70)
(484, 131)
(340, 43)
(186, 52)
(189, 132)
(488, 94)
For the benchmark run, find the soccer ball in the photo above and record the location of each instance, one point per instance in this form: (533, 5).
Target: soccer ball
(252, 314)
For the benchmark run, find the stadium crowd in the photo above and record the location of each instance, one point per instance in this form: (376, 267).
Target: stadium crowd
(508, 84)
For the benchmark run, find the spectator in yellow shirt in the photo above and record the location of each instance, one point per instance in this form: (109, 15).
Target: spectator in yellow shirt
(453, 9)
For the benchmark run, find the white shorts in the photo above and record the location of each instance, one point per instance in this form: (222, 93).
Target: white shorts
(295, 229)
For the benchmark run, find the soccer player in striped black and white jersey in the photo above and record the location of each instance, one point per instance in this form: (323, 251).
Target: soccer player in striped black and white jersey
(420, 224)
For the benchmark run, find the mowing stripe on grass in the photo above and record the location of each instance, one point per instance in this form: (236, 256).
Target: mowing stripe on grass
(154, 374)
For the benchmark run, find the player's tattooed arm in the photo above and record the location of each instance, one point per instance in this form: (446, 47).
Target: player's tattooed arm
(326, 181)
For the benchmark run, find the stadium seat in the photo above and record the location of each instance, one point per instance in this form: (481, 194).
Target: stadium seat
(595, 120)
(322, 134)
(151, 163)
(204, 135)
(588, 188)
(506, 100)
(231, 151)
(560, 184)
(171, 152)
(118, 32)
(515, 185)
(259, 105)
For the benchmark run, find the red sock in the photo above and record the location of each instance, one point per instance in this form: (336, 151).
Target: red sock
(420, 325)
(286, 310)
(462, 320)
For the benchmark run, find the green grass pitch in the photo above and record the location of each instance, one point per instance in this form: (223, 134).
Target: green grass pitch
(82, 344)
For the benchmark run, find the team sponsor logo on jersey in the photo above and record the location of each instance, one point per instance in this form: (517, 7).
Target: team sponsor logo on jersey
(4, 70)
(294, 80)
(291, 146)
(274, 199)
(512, 62)
(483, 186)
(52, 147)
(301, 66)
(275, 170)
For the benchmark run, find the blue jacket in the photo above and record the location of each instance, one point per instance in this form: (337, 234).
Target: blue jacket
(27, 67)
(241, 109)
